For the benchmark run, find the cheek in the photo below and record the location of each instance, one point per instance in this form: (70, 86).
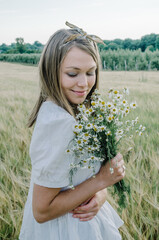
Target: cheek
(66, 82)
(92, 82)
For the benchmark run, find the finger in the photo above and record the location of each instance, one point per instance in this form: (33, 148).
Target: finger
(86, 219)
(120, 164)
(83, 209)
(80, 208)
(84, 215)
(86, 208)
(117, 159)
(121, 175)
(120, 170)
(117, 164)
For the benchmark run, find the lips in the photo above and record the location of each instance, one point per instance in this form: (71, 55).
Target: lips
(80, 93)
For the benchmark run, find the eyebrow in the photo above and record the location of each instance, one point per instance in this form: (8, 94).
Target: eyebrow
(76, 68)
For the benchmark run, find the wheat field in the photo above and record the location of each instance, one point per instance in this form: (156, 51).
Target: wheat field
(18, 92)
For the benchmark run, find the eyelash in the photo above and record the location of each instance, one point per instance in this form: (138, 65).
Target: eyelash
(75, 74)
(72, 74)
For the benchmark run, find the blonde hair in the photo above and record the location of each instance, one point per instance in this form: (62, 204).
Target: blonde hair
(52, 56)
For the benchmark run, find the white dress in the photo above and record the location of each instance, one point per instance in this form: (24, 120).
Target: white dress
(50, 168)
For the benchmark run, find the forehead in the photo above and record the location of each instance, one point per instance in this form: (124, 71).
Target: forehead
(78, 58)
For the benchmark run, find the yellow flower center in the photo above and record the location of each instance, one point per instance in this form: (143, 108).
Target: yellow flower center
(86, 134)
(93, 103)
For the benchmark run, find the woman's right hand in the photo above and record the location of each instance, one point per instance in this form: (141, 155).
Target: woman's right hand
(117, 164)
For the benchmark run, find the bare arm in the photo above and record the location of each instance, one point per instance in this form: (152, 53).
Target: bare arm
(50, 203)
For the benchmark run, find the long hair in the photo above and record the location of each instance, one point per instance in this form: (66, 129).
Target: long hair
(52, 56)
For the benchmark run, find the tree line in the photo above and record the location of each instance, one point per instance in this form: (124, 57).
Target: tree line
(21, 47)
(147, 42)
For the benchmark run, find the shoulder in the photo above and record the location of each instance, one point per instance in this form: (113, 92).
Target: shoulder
(53, 127)
(53, 124)
(50, 112)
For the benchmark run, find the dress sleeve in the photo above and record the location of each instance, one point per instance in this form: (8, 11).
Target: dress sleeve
(51, 137)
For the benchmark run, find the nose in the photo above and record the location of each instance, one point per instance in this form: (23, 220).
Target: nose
(83, 81)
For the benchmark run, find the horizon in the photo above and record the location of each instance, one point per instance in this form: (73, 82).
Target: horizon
(103, 39)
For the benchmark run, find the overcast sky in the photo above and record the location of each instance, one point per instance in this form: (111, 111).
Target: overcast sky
(109, 19)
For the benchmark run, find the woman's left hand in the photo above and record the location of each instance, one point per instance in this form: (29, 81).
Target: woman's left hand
(89, 209)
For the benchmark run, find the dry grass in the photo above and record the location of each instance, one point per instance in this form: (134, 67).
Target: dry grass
(18, 92)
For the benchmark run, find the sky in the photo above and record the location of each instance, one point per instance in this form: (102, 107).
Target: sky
(37, 20)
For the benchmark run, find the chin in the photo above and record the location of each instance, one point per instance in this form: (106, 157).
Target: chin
(77, 101)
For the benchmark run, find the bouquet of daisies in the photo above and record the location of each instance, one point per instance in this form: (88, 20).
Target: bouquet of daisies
(99, 130)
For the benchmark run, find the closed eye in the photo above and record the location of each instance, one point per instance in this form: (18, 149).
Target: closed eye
(71, 74)
(91, 73)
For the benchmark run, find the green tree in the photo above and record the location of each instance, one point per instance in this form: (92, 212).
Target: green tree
(38, 44)
(20, 46)
(3, 48)
(157, 42)
(119, 42)
(148, 40)
(135, 44)
(113, 46)
(127, 43)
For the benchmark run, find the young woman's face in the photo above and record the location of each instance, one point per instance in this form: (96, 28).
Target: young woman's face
(77, 75)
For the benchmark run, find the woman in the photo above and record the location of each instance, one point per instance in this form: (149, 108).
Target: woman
(69, 73)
